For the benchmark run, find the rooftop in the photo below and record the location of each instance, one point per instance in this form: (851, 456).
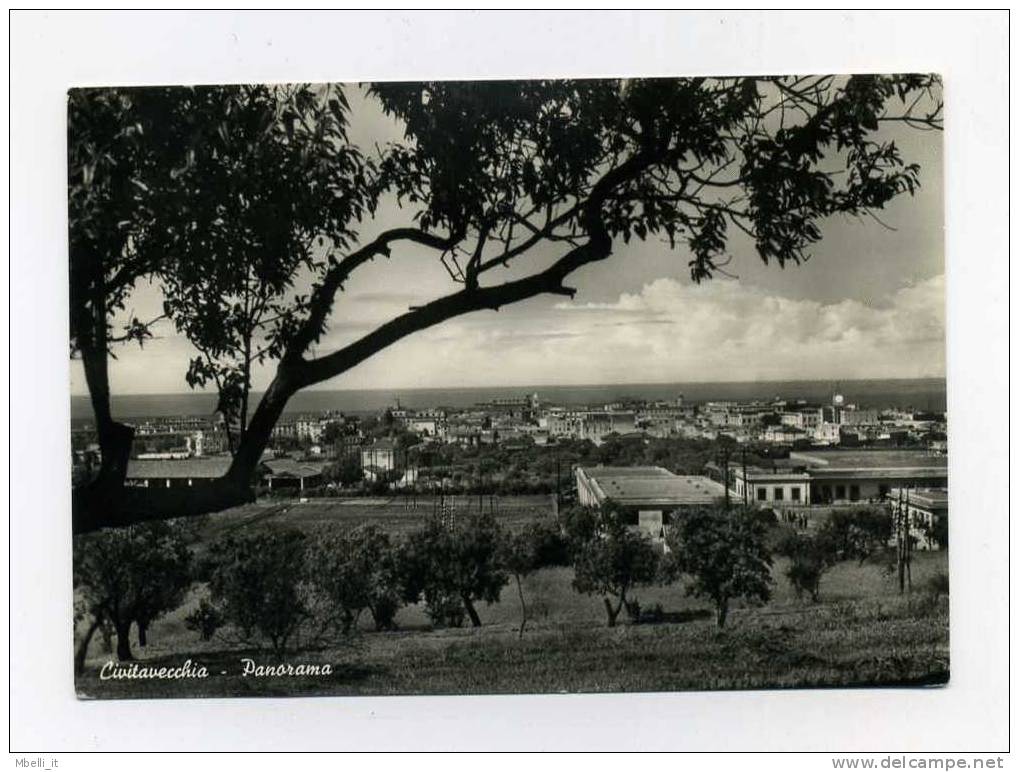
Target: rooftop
(182, 468)
(652, 485)
(869, 459)
(289, 467)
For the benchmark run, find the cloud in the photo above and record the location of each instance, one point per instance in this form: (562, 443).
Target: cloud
(674, 331)
(669, 331)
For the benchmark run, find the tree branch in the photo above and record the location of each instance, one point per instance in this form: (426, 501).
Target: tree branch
(321, 301)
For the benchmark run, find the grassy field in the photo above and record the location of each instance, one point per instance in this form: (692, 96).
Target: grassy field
(862, 632)
(397, 514)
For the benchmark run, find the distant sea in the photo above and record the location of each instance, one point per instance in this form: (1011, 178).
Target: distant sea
(919, 394)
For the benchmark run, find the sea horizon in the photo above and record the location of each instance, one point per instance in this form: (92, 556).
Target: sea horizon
(916, 393)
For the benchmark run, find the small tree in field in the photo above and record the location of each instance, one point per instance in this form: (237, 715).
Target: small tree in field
(853, 534)
(856, 534)
(132, 575)
(725, 556)
(809, 558)
(539, 545)
(259, 584)
(356, 571)
(454, 567)
(612, 561)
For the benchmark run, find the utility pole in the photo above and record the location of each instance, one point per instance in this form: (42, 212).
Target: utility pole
(558, 484)
(725, 476)
(909, 548)
(746, 483)
(900, 544)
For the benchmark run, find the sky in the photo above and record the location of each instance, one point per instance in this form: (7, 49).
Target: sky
(870, 303)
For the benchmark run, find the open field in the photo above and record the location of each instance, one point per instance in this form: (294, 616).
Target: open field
(396, 514)
(862, 632)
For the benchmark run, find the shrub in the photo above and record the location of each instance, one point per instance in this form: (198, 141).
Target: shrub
(448, 565)
(355, 571)
(259, 584)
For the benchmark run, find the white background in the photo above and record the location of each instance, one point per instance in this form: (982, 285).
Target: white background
(53, 51)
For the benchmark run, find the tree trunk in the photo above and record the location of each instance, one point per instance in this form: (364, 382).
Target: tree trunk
(82, 651)
(106, 631)
(259, 430)
(723, 612)
(124, 642)
(612, 612)
(114, 437)
(523, 606)
(143, 638)
(471, 612)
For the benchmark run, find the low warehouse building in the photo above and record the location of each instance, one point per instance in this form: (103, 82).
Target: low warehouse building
(281, 473)
(175, 472)
(827, 477)
(647, 494)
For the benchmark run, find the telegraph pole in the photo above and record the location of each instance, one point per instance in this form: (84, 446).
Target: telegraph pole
(746, 484)
(900, 545)
(558, 483)
(725, 476)
(909, 548)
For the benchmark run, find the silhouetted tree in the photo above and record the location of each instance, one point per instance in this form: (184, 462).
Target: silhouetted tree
(493, 173)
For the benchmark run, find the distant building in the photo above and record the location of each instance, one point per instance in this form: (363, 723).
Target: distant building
(807, 419)
(770, 487)
(826, 477)
(647, 494)
(784, 434)
(588, 425)
(427, 426)
(379, 457)
(175, 473)
(287, 473)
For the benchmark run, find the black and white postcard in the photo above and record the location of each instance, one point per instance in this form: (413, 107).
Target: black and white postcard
(528, 386)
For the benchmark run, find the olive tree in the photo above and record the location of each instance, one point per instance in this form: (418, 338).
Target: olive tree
(131, 575)
(258, 583)
(724, 555)
(355, 571)
(611, 564)
(453, 566)
(538, 545)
